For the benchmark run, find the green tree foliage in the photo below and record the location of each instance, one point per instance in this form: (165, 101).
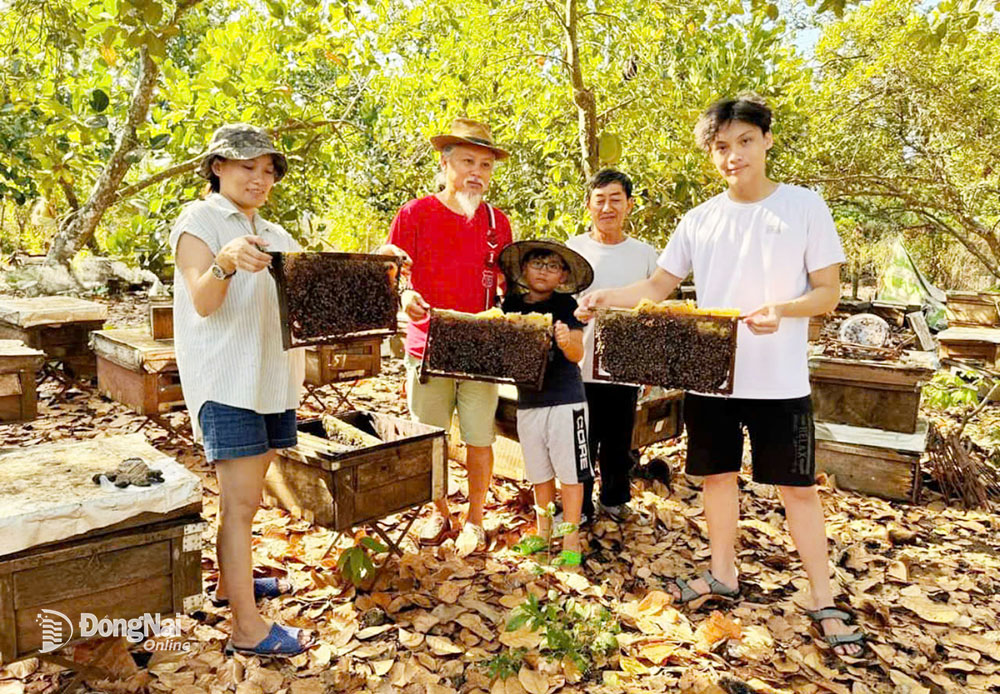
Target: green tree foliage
(904, 125)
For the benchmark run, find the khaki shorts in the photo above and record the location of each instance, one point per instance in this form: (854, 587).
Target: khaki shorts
(434, 403)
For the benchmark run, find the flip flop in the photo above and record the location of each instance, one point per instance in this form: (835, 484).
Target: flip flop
(268, 587)
(280, 642)
(717, 590)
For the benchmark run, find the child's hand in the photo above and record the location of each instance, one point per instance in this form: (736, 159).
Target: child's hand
(562, 334)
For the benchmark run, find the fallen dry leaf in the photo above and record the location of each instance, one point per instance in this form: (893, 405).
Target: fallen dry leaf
(656, 652)
(533, 681)
(927, 610)
(717, 627)
(522, 638)
(442, 646)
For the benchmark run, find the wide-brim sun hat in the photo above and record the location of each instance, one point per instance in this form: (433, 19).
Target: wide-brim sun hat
(580, 276)
(465, 131)
(242, 141)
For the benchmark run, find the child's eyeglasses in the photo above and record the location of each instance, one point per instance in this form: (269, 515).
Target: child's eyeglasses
(550, 265)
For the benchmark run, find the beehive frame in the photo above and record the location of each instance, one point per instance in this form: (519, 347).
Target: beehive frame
(426, 371)
(279, 270)
(728, 323)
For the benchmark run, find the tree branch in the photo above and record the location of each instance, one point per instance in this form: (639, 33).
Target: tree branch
(175, 170)
(601, 117)
(559, 17)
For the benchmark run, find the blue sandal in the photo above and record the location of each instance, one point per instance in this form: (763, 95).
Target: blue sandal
(280, 642)
(268, 587)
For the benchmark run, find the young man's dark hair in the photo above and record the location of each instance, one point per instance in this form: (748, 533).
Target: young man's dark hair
(606, 177)
(748, 108)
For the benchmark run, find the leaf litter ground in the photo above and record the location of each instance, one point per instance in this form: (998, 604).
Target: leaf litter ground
(924, 580)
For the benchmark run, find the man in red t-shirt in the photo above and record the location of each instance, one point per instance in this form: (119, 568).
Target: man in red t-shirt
(454, 239)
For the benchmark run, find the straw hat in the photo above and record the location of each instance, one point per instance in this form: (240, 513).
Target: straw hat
(581, 274)
(465, 131)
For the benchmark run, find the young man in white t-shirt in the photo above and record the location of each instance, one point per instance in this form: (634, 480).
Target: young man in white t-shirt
(772, 251)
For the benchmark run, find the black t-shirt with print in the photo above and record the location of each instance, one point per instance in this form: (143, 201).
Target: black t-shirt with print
(562, 384)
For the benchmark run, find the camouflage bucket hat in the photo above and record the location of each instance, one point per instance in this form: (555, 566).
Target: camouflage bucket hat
(242, 141)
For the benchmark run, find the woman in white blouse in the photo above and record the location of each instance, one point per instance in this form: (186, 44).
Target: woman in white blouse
(240, 385)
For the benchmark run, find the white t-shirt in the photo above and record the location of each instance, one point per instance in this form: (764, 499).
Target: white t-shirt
(615, 265)
(745, 255)
(234, 356)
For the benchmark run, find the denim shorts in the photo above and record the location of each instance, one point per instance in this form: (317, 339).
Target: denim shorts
(233, 432)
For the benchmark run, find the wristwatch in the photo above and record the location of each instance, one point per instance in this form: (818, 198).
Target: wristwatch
(219, 273)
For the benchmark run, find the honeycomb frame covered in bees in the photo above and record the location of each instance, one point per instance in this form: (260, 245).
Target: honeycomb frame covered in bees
(326, 297)
(490, 346)
(674, 346)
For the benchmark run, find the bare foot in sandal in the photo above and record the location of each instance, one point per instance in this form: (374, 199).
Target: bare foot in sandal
(833, 625)
(706, 585)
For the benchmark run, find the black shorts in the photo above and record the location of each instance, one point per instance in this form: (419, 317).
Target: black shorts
(782, 438)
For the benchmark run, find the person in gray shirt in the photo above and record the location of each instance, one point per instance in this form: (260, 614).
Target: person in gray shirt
(618, 261)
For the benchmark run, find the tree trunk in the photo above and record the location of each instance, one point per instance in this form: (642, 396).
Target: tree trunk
(586, 105)
(78, 228)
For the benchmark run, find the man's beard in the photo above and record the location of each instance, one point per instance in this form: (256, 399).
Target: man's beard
(469, 202)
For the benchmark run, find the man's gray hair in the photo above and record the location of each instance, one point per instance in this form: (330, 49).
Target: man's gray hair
(441, 178)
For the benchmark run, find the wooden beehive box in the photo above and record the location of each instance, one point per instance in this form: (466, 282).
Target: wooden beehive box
(327, 297)
(656, 419)
(137, 371)
(18, 366)
(978, 345)
(161, 318)
(870, 461)
(71, 546)
(873, 394)
(973, 309)
(342, 490)
(60, 326)
(500, 348)
(345, 361)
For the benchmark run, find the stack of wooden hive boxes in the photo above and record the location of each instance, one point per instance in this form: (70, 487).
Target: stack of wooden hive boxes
(973, 333)
(869, 432)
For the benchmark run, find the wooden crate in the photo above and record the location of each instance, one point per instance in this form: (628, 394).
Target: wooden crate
(345, 361)
(59, 326)
(978, 345)
(153, 568)
(18, 366)
(973, 309)
(161, 318)
(816, 324)
(869, 461)
(878, 395)
(340, 491)
(657, 419)
(138, 371)
(70, 545)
